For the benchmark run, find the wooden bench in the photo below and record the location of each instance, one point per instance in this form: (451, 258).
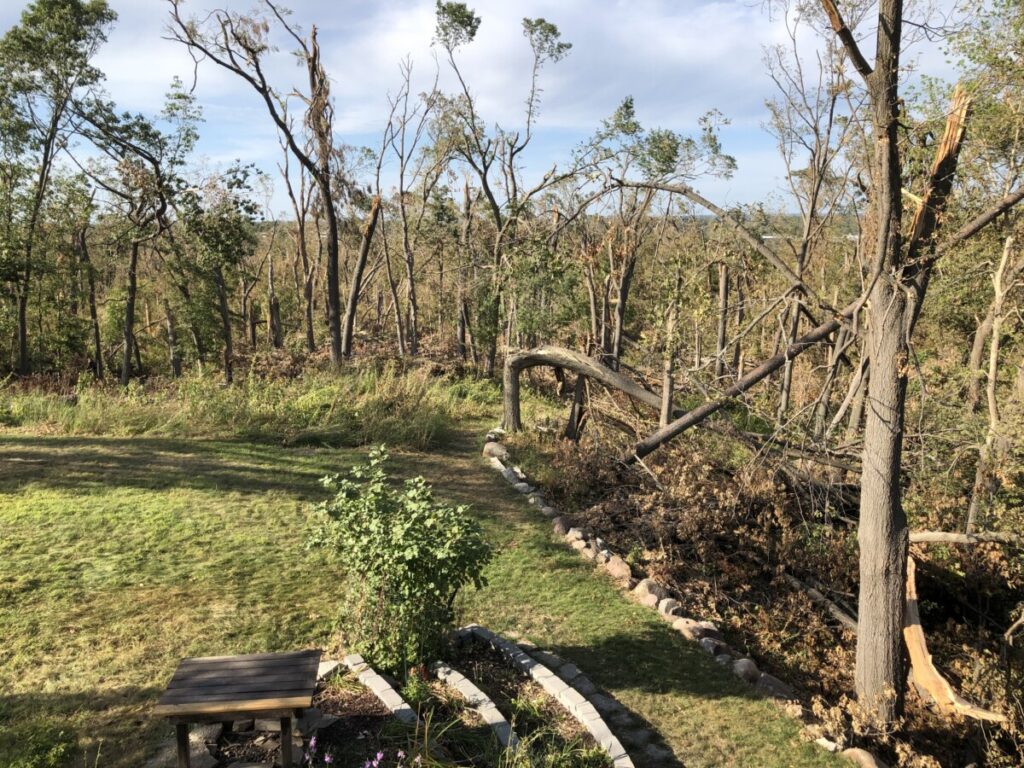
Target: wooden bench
(222, 689)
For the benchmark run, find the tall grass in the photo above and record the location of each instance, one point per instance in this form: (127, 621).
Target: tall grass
(406, 409)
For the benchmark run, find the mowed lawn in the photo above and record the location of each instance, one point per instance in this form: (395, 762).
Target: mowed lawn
(120, 556)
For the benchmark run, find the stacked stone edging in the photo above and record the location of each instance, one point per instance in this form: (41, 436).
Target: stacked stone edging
(649, 592)
(381, 688)
(479, 702)
(579, 704)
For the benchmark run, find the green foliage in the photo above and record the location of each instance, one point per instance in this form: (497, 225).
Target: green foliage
(407, 556)
(545, 40)
(457, 25)
(38, 746)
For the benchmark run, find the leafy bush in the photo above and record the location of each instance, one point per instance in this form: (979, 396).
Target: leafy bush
(38, 746)
(406, 556)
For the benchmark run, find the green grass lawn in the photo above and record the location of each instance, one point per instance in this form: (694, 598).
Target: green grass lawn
(120, 556)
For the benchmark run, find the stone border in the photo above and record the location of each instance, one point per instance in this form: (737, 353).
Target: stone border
(381, 688)
(649, 592)
(578, 704)
(479, 702)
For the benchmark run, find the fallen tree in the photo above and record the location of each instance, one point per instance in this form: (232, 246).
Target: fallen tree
(578, 363)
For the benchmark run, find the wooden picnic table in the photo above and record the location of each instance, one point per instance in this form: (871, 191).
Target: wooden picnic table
(222, 689)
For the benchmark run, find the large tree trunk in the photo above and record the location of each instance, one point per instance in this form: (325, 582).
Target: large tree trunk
(173, 351)
(225, 323)
(356, 285)
(129, 314)
(882, 533)
(90, 278)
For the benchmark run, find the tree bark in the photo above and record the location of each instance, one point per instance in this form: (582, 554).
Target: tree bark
(129, 314)
(723, 319)
(90, 278)
(225, 323)
(173, 352)
(579, 363)
(357, 276)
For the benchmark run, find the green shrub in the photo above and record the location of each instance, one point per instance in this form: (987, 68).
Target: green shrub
(38, 746)
(406, 555)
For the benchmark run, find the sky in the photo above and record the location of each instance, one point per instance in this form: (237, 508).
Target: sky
(677, 58)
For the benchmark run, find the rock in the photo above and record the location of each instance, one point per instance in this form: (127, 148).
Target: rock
(267, 725)
(862, 758)
(495, 435)
(588, 552)
(574, 534)
(523, 488)
(327, 669)
(688, 628)
(313, 720)
(510, 475)
(827, 744)
(202, 735)
(618, 568)
(709, 625)
(602, 557)
(725, 659)
(745, 669)
(772, 686)
(651, 587)
(495, 450)
(203, 759)
(669, 606)
(242, 726)
(549, 512)
(712, 646)
(560, 525)
(651, 601)
(577, 544)
(536, 500)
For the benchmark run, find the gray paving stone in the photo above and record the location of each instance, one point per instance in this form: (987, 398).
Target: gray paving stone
(553, 685)
(570, 697)
(569, 672)
(327, 669)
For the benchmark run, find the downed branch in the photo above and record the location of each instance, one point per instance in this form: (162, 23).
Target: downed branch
(577, 362)
(946, 537)
(923, 671)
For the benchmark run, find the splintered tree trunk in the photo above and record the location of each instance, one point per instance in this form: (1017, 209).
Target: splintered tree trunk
(129, 314)
(723, 319)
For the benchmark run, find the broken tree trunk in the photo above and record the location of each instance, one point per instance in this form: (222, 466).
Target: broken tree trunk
(574, 361)
(925, 676)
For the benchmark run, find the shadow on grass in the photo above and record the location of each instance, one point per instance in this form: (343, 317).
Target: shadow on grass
(82, 463)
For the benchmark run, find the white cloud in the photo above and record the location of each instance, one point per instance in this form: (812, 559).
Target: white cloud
(677, 58)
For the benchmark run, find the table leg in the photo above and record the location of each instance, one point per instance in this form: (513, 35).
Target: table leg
(286, 742)
(181, 734)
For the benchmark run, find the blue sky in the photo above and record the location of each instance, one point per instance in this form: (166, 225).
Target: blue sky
(677, 58)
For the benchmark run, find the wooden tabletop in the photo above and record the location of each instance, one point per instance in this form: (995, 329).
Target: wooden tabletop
(259, 682)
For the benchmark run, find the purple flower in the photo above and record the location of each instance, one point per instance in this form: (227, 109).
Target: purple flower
(312, 745)
(328, 758)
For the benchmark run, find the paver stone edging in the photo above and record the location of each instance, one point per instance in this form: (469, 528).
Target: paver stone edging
(578, 704)
(381, 688)
(479, 702)
(646, 591)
